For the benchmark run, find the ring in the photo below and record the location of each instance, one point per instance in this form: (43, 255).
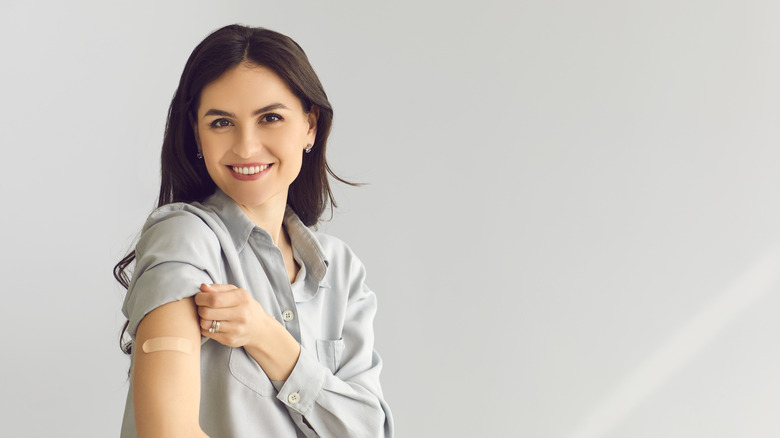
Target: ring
(214, 327)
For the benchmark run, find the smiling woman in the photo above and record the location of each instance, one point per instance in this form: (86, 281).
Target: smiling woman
(251, 130)
(227, 261)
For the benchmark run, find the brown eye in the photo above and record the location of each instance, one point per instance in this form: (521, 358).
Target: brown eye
(220, 123)
(271, 118)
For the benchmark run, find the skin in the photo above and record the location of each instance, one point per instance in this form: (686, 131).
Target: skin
(277, 137)
(166, 384)
(247, 115)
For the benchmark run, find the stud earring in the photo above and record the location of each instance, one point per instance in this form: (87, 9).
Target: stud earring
(199, 155)
(308, 148)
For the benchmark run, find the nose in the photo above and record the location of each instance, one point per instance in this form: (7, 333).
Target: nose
(248, 143)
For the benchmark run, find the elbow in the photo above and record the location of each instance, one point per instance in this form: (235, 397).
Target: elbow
(378, 421)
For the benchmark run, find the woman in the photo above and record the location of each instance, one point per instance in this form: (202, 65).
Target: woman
(243, 321)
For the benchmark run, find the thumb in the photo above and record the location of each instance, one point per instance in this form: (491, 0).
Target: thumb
(216, 287)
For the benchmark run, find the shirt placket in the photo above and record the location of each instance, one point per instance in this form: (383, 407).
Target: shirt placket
(276, 272)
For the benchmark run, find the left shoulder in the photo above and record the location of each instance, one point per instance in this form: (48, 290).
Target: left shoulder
(338, 254)
(346, 273)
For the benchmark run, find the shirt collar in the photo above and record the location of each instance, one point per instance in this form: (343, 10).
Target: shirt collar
(240, 228)
(307, 244)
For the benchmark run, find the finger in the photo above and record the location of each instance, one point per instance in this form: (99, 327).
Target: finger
(228, 298)
(206, 333)
(216, 287)
(207, 324)
(225, 337)
(219, 313)
(218, 337)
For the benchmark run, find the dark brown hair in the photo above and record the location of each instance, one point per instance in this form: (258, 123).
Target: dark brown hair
(184, 176)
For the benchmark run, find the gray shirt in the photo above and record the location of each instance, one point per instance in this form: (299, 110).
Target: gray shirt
(334, 390)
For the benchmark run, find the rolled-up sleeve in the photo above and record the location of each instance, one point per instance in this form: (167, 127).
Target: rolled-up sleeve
(349, 402)
(175, 254)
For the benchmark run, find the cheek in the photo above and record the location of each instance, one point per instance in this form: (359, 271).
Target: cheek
(214, 146)
(292, 160)
(211, 169)
(212, 150)
(209, 142)
(288, 146)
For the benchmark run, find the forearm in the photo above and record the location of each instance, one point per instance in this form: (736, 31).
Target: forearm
(276, 351)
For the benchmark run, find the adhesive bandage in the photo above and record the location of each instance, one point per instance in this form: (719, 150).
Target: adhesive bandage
(167, 344)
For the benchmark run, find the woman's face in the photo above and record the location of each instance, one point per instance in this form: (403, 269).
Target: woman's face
(252, 132)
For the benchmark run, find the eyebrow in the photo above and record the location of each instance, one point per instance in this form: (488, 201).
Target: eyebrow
(218, 112)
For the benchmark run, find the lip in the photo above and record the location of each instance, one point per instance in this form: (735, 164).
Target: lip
(256, 176)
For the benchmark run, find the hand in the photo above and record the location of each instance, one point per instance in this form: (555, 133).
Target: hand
(244, 323)
(240, 316)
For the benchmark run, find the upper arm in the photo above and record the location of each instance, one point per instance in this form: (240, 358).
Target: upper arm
(166, 384)
(177, 252)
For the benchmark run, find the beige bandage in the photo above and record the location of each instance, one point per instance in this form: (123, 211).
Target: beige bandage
(167, 344)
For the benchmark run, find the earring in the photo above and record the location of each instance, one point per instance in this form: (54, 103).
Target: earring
(308, 148)
(199, 155)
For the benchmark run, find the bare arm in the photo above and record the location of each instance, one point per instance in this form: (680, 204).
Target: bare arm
(166, 384)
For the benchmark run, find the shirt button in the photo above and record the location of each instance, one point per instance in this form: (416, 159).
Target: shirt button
(288, 315)
(293, 398)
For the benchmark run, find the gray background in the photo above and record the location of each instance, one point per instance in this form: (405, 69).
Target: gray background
(571, 222)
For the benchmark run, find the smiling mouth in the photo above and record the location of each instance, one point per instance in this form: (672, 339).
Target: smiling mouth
(249, 170)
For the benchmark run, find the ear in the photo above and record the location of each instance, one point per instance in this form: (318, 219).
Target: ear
(194, 126)
(312, 116)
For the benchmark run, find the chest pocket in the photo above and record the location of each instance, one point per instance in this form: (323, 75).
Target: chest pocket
(329, 353)
(244, 368)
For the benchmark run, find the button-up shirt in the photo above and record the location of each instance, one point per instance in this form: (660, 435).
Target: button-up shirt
(333, 390)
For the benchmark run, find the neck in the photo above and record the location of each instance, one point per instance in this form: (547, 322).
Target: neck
(269, 216)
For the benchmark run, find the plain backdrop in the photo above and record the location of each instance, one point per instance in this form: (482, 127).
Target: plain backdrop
(571, 220)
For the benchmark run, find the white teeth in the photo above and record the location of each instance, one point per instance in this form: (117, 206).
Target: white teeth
(249, 170)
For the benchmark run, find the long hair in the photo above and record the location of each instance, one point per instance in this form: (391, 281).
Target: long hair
(184, 177)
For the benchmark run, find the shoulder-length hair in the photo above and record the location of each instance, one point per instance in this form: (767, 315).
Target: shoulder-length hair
(184, 175)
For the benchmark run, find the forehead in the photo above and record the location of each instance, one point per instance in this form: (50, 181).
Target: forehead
(246, 88)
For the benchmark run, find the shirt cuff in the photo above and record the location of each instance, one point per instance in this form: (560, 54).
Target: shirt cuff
(301, 389)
